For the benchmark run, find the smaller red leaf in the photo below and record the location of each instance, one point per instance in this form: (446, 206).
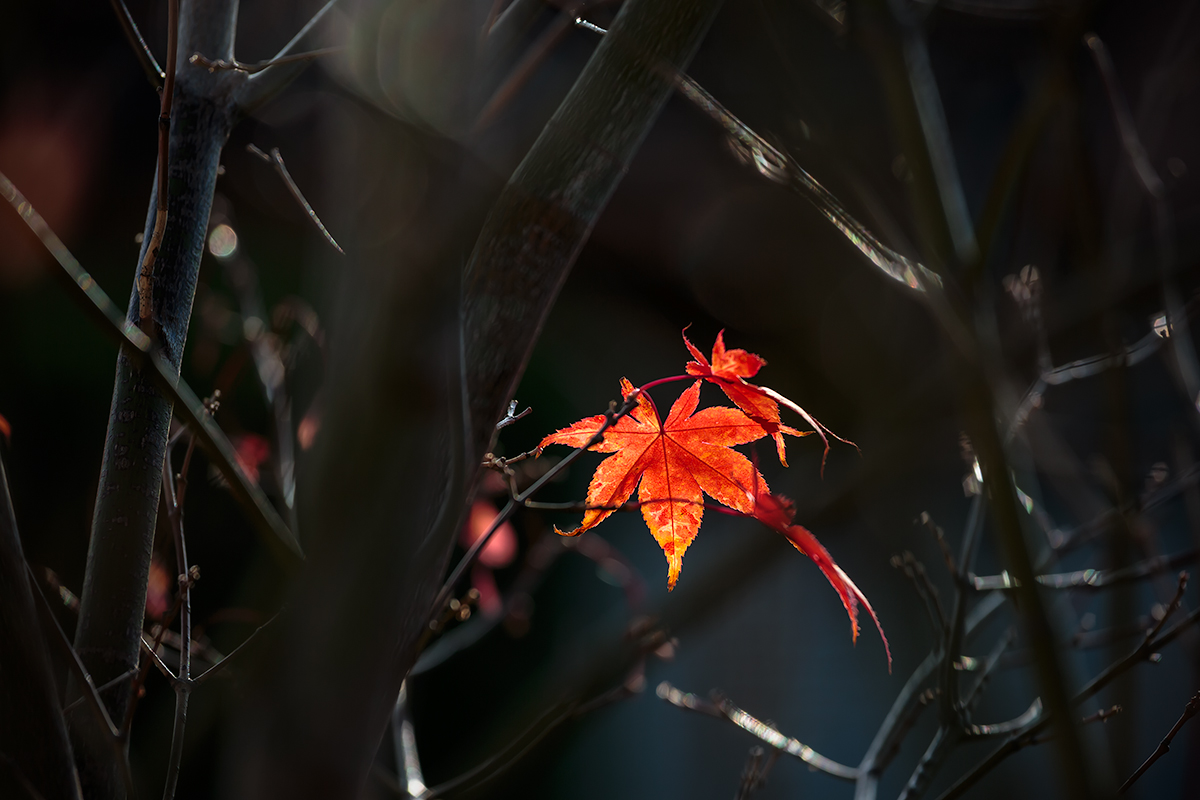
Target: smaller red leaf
(778, 512)
(729, 370)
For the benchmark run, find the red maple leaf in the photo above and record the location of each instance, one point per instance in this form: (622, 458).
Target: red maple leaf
(729, 370)
(778, 513)
(673, 464)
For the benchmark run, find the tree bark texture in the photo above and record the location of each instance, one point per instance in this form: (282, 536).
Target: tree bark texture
(423, 366)
(112, 602)
(34, 749)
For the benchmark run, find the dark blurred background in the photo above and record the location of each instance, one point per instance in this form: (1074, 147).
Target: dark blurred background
(692, 237)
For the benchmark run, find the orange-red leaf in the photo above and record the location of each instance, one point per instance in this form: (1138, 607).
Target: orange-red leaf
(672, 464)
(729, 370)
(778, 513)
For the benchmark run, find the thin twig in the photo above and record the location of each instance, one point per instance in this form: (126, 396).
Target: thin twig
(1093, 579)
(84, 680)
(915, 571)
(754, 774)
(263, 85)
(172, 486)
(614, 414)
(780, 167)
(721, 707)
(951, 707)
(233, 65)
(1102, 715)
(145, 282)
(989, 665)
(225, 662)
(941, 744)
(1017, 723)
(151, 649)
(77, 702)
(512, 416)
(276, 160)
(1189, 711)
(1177, 321)
(943, 545)
(154, 73)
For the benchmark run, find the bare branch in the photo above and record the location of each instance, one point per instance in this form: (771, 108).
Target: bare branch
(1093, 579)
(1151, 183)
(227, 660)
(915, 571)
(274, 78)
(154, 73)
(234, 65)
(721, 707)
(1189, 711)
(276, 160)
(145, 281)
(95, 301)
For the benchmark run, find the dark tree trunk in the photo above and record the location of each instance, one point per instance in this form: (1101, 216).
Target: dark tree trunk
(114, 591)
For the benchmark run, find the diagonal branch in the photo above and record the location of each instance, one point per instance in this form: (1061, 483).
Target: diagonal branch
(1189, 711)
(33, 733)
(105, 313)
(280, 71)
(154, 73)
(275, 159)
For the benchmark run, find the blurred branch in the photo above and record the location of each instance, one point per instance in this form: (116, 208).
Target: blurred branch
(408, 764)
(33, 733)
(242, 275)
(915, 571)
(754, 774)
(1013, 10)
(780, 167)
(929, 762)
(1151, 183)
(85, 685)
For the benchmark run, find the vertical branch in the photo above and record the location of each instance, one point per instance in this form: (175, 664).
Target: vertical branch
(174, 487)
(904, 69)
(146, 278)
(32, 731)
(112, 602)
(404, 742)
